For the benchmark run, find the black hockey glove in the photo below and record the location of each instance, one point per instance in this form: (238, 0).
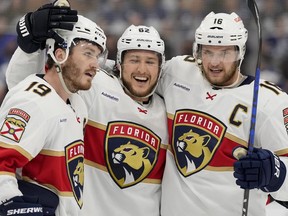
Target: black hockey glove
(46, 198)
(260, 169)
(21, 205)
(35, 27)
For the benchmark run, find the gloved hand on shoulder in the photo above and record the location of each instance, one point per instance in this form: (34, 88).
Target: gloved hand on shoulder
(35, 27)
(21, 205)
(260, 169)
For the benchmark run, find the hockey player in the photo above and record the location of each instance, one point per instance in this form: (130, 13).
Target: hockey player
(208, 101)
(42, 119)
(126, 136)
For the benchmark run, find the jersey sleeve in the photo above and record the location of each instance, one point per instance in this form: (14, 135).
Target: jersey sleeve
(273, 133)
(165, 77)
(102, 78)
(22, 137)
(23, 64)
(174, 69)
(89, 95)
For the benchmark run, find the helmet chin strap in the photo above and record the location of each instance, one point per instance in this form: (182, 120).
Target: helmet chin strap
(60, 75)
(50, 43)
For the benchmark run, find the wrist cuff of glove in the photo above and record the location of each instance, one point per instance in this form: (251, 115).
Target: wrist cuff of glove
(21, 205)
(278, 177)
(24, 37)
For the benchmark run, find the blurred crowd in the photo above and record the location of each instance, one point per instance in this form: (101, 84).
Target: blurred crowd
(176, 20)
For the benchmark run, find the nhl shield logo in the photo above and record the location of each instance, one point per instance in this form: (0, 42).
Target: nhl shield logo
(74, 154)
(131, 152)
(196, 137)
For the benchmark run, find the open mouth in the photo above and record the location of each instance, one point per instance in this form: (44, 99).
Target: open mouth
(90, 74)
(216, 70)
(141, 79)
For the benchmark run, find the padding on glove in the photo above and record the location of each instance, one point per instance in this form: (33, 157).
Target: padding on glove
(35, 27)
(21, 205)
(48, 199)
(260, 169)
(36, 201)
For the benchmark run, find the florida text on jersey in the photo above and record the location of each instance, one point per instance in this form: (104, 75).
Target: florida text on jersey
(125, 149)
(205, 125)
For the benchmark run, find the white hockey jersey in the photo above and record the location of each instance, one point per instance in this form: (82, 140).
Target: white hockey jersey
(125, 150)
(43, 135)
(205, 125)
(125, 145)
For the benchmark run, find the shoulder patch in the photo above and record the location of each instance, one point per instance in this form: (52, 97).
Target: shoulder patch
(14, 124)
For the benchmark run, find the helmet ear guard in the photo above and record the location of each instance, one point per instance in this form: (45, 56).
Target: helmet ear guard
(196, 53)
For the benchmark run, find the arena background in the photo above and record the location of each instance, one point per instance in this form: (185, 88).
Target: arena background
(176, 20)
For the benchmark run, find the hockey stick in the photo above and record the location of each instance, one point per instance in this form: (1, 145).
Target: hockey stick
(62, 3)
(254, 10)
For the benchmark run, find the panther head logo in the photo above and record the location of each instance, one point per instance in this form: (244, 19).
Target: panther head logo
(78, 174)
(78, 179)
(194, 147)
(134, 161)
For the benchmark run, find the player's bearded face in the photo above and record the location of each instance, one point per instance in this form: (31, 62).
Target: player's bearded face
(220, 64)
(140, 70)
(81, 66)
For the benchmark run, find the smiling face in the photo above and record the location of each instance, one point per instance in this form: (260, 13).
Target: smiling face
(220, 64)
(140, 70)
(81, 66)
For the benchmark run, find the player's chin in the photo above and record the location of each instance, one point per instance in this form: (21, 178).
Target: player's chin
(216, 80)
(85, 85)
(140, 92)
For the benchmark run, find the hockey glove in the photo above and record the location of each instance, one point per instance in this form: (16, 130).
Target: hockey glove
(21, 205)
(35, 27)
(46, 198)
(260, 169)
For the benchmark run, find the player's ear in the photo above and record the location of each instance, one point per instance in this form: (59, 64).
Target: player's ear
(59, 54)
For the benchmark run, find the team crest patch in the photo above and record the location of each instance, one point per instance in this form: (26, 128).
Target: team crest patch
(285, 118)
(14, 124)
(74, 154)
(131, 152)
(196, 137)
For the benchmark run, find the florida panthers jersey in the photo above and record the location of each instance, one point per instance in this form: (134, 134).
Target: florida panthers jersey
(125, 149)
(43, 135)
(205, 125)
(125, 145)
